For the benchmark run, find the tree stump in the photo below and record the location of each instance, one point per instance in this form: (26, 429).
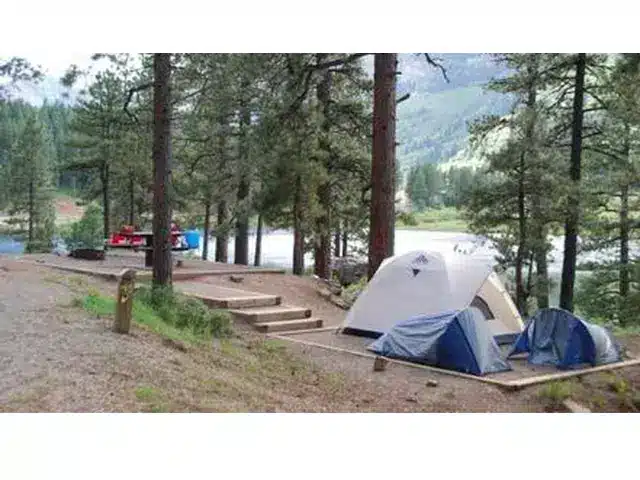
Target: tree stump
(124, 305)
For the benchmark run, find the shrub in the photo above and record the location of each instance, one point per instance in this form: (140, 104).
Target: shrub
(86, 232)
(186, 312)
(407, 218)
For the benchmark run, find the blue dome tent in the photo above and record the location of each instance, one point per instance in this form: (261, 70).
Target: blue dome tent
(557, 337)
(455, 340)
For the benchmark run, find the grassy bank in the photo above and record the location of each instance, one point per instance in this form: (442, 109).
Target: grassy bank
(447, 219)
(170, 315)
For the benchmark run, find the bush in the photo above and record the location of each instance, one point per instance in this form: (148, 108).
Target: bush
(350, 293)
(186, 312)
(598, 298)
(86, 232)
(408, 219)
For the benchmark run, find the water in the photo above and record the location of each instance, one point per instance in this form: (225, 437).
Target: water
(277, 247)
(10, 245)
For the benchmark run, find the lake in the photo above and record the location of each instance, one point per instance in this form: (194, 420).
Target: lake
(277, 249)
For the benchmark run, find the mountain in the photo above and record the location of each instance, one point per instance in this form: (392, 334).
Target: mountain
(432, 123)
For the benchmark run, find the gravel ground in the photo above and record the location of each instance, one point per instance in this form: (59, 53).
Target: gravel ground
(54, 357)
(115, 260)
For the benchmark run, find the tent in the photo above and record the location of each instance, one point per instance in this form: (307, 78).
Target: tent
(557, 337)
(426, 283)
(459, 341)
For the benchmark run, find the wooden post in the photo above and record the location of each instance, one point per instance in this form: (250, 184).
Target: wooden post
(380, 364)
(124, 305)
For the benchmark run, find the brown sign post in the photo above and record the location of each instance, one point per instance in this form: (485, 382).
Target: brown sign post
(124, 305)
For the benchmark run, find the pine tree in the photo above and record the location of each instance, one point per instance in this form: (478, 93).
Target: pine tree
(30, 187)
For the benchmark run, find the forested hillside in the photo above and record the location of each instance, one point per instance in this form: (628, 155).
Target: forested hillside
(432, 123)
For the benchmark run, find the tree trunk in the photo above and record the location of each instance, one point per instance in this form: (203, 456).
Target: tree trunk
(573, 214)
(624, 241)
(322, 251)
(222, 238)
(382, 216)
(345, 243)
(522, 240)
(258, 251)
(542, 278)
(336, 243)
(241, 254)
(298, 236)
(539, 223)
(207, 229)
(162, 265)
(132, 216)
(31, 213)
(106, 207)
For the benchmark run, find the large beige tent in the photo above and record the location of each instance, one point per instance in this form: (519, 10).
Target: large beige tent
(426, 283)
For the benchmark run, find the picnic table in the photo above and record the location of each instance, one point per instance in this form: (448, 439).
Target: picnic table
(147, 247)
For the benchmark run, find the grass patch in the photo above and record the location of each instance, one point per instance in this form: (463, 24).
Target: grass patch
(172, 316)
(146, 394)
(152, 397)
(556, 392)
(447, 219)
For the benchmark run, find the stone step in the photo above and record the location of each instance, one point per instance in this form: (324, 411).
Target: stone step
(288, 325)
(271, 314)
(240, 301)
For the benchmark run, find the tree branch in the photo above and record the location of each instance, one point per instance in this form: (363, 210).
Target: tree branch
(435, 63)
(133, 90)
(403, 98)
(341, 61)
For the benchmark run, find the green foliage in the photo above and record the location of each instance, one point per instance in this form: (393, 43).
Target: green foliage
(598, 297)
(169, 315)
(351, 292)
(186, 313)
(407, 219)
(27, 181)
(447, 219)
(556, 392)
(86, 232)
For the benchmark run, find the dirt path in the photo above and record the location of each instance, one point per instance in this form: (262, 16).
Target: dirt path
(56, 357)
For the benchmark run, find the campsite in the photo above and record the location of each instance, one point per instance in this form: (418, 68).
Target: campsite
(313, 232)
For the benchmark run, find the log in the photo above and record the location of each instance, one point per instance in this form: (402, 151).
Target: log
(124, 301)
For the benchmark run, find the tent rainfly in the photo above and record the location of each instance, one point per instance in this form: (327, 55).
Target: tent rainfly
(422, 283)
(557, 337)
(459, 341)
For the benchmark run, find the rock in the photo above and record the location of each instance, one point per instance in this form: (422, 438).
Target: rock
(411, 399)
(236, 279)
(175, 344)
(349, 269)
(432, 383)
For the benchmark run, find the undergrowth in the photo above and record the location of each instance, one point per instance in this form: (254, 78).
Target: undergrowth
(167, 313)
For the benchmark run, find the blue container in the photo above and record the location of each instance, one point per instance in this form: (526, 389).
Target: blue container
(193, 239)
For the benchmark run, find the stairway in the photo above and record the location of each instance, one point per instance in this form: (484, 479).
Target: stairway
(265, 313)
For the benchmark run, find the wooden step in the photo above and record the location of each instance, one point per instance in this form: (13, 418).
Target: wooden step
(271, 314)
(288, 325)
(239, 302)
